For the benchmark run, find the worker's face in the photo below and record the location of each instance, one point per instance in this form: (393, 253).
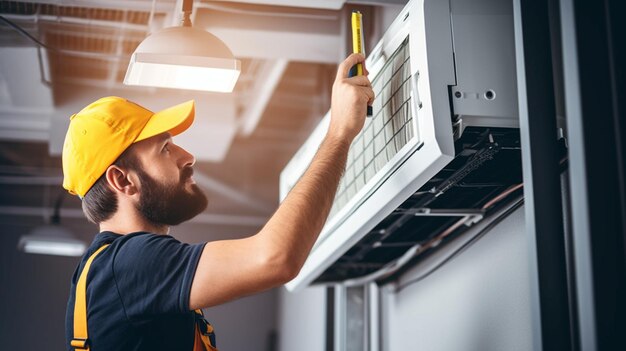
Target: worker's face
(168, 193)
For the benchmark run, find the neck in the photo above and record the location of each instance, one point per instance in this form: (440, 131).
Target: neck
(128, 220)
(124, 229)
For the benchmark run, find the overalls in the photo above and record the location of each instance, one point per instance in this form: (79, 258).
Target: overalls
(204, 339)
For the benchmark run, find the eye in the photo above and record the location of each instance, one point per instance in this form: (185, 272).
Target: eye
(166, 147)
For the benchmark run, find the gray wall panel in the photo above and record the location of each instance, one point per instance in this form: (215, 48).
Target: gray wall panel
(302, 320)
(478, 301)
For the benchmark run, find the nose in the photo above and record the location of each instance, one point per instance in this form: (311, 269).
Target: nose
(186, 159)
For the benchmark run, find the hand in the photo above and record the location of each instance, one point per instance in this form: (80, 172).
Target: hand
(350, 98)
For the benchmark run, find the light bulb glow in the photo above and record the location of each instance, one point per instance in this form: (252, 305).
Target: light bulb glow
(182, 77)
(54, 248)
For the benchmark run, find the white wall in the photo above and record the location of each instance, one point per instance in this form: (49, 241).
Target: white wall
(478, 301)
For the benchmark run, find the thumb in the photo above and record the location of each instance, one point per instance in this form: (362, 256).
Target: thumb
(344, 67)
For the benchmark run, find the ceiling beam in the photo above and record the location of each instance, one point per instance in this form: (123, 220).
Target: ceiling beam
(235, 195)
(318, 4)
(266, 80)
(248, 33)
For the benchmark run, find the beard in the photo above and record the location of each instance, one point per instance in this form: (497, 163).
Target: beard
(169, 204)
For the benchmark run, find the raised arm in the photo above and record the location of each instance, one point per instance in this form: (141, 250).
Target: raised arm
(233, 268)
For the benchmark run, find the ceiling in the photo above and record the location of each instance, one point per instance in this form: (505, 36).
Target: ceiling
(241, 140)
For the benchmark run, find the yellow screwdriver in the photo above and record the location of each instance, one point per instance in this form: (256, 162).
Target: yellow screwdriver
(358, 47)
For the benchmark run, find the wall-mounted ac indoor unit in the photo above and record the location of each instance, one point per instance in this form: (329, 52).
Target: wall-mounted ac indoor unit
(441, 150)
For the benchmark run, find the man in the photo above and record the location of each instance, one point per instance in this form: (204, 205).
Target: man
(142, 289)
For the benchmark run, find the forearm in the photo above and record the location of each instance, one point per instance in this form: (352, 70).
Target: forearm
(297, 223)
(289, 235)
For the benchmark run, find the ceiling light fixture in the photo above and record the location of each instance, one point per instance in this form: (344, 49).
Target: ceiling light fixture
(184, 58)
(52, 239)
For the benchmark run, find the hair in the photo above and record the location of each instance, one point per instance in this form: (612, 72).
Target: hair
(100, 201)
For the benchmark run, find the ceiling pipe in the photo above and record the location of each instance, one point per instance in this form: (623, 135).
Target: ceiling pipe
(37, 18)
(203, 218)
(29, 180)
(209, 183)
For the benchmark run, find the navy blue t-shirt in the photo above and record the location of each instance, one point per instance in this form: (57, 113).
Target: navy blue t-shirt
(137, 293)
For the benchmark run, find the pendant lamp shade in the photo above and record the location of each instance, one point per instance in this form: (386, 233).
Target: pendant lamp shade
(183, 58)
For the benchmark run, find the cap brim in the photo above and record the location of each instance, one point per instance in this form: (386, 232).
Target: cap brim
(175, 119)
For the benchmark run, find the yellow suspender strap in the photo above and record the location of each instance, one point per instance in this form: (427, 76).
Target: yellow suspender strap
(203, 337)
(81, 339)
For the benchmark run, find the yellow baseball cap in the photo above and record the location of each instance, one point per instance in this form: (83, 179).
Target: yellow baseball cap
(100, 133)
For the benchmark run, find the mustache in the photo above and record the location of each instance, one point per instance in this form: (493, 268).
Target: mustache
(186, 173)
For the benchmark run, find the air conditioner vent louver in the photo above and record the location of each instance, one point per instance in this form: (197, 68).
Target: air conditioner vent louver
(463, 187)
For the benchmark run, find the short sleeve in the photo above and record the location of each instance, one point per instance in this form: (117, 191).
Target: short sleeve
(154, 273)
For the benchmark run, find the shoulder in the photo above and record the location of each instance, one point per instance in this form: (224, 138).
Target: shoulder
(143, 249)
(143, 238)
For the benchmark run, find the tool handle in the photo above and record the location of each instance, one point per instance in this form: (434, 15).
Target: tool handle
(358, 47)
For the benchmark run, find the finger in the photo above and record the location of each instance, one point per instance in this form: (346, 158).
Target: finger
(370, 95)
(344, 67)
(364, 95)
(360, 81)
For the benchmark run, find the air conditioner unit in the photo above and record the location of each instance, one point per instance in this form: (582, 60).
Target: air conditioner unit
(441, 149)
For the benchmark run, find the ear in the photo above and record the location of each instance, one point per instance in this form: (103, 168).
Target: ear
(122, 180)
